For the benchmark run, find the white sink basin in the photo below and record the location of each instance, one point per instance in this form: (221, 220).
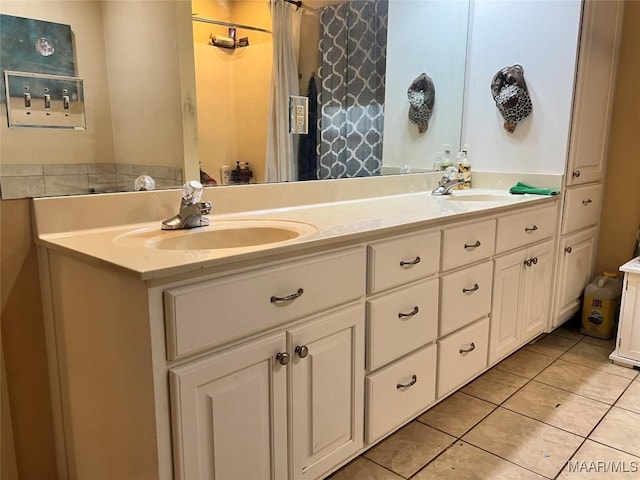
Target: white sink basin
(222, 234)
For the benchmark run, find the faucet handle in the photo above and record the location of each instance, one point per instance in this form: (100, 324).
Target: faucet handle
(192, 192)
(451, 173)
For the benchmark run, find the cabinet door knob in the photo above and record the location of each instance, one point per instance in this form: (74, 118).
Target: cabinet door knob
(283, 358)
(587, 202)
(413, 381)
(568, 250)
(415, 261)
(302, 351)
(576, 174)
(410, 314)
(469, 290)
(287, 298)
(528, 262)
(472, 245)
(532, 229)
(471, 348)
(534, 260)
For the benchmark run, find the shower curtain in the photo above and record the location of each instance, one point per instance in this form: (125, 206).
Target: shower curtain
(353, 41)
(280, 143)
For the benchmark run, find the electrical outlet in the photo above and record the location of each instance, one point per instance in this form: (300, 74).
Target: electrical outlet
(298, 115)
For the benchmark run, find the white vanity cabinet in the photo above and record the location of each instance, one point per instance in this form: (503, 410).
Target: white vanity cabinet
(593, 99)
(232, 406)
(402, 324)
(575, 270)
(522, 280)
(627, 350)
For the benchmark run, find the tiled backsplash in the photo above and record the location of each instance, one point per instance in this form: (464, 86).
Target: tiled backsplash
(34, 180)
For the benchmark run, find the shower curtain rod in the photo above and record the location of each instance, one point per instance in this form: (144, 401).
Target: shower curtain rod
(299, 5)
(228, 24)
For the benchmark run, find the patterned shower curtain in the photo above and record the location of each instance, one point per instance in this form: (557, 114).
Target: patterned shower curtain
(353, 53)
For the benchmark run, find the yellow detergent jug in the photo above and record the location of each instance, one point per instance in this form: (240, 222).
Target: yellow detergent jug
(601, 305)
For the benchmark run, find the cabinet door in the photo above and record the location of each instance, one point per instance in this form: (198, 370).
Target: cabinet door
(507, 279)
(575, 268)
(595, 83)
(536, 292)
(229, 414)
(327, 392)
(629, 335)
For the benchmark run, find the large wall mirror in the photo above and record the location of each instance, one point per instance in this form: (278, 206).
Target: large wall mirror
(165, 96)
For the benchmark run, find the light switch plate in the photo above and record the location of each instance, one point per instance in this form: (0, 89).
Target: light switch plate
(298, 115)
(44, 101)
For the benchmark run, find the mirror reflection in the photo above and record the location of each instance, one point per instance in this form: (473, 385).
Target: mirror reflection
(168, 96)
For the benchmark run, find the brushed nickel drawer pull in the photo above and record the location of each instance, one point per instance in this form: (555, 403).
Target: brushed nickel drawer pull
(532, 229)
(413, 381)
(587, 202)
(283, 358)
(475, 288)
(288, 298)
(302, 351)
(568, 250)
(473, 245)
(471, 348)
(415, 261)
(410, 314)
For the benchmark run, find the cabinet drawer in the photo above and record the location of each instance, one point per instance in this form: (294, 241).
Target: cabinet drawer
(468, 243)
(389, 403)
(403, 259)
(466, 296)
(461, 355)
(581, 208)
(400, 322)
(528, 226)
(209, 313)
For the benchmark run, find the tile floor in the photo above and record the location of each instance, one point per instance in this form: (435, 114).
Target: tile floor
(554, 409)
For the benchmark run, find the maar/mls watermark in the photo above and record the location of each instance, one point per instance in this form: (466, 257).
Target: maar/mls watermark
(603, 466)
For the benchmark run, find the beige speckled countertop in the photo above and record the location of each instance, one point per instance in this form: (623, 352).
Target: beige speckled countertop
(337, 223)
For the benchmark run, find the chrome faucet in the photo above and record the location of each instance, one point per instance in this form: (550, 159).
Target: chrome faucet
(191, 209)
(450, 180)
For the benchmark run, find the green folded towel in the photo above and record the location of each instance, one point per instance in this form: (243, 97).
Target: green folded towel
(520, 188)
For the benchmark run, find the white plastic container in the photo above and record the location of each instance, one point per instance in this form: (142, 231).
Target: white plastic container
(601, 305)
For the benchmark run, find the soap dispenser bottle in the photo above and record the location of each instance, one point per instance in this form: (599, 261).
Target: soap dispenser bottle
(464, 168)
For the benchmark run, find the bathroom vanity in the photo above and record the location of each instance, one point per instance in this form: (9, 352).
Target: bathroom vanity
(627, 350)
(284, 359)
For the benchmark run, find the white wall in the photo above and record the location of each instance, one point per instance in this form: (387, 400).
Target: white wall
(542, 36)
(424, 36)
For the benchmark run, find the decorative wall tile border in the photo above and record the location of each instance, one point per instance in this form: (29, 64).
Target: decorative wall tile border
(38, 180)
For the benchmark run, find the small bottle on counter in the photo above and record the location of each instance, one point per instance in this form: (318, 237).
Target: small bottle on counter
(446, 158)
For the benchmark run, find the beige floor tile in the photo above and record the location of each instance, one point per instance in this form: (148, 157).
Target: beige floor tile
(495, 386)
(457, 414)
(585, 381)
(526, 442)
(363, 469)
(610, 343)
(525, 363)
(562, 409)
(619, 429)
(596, 357)
(586, 464)
(463, 461)
(410, 448)
(552, 345)
(569, 331)
(630, 399)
